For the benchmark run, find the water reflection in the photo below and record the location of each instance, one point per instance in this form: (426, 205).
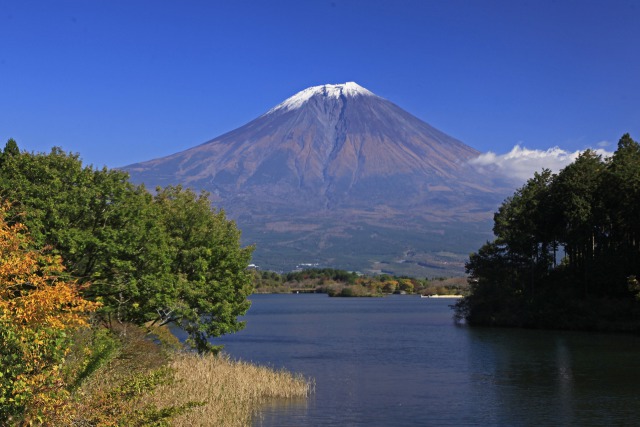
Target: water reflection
(271, 412)
(556, 378)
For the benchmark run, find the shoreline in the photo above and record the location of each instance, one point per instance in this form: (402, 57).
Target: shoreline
(441, 296)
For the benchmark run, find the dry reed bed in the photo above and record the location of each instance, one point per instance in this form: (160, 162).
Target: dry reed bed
(232, 390)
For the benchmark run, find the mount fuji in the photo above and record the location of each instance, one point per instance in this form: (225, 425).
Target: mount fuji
(338, 176)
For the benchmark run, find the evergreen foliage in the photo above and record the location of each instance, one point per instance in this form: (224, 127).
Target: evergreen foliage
(567, 249)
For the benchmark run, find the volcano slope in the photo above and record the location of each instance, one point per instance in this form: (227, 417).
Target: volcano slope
(338, 176)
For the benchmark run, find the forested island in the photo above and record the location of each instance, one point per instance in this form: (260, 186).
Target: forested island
(91, 269)
(567, 250)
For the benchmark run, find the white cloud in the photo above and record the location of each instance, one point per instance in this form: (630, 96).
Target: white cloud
(520, 163)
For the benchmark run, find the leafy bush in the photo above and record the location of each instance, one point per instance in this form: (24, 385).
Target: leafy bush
(38, 311)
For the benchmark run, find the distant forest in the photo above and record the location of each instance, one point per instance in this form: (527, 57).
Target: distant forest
(341, 283)
(567, 250)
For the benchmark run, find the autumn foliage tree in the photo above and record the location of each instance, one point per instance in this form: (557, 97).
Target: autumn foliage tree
(38, 311)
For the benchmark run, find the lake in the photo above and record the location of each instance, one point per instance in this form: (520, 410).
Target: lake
(401, 361)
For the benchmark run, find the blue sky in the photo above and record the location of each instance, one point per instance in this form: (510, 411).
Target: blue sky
(126, 81)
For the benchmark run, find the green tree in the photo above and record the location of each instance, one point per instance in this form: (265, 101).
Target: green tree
(621, 193)
(578, 211)
(208, 264)
(521, 226)
(10, 149)
(167, 257)
(496, 287)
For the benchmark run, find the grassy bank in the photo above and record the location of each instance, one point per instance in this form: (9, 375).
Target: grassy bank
(132, 377)
(232, 391)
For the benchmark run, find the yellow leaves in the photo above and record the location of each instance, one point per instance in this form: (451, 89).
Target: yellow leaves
(36, 307)
(30, 292)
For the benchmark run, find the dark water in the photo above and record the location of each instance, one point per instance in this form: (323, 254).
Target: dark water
(400, 361)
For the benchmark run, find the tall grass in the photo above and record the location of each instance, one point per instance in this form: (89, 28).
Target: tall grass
(231, 391)
(110, 372)
(137, 376)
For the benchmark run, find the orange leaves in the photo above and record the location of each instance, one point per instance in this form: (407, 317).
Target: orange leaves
(30, 291)
(36, 308)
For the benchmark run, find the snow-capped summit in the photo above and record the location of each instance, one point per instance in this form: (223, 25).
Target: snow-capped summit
(349, 89)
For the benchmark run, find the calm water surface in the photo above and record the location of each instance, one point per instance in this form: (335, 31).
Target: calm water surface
(400, 361)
